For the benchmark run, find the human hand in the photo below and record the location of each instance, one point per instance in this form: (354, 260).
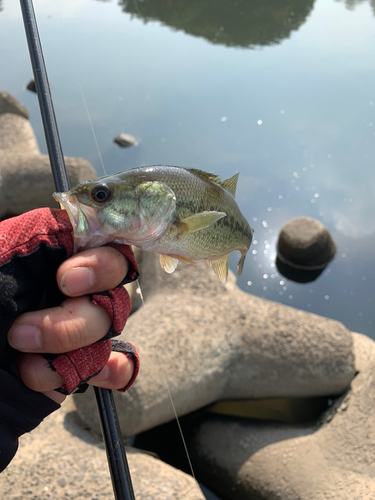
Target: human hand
(76, 323)
(37, 344)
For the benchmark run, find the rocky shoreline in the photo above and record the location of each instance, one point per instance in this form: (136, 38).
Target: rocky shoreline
(201, 342)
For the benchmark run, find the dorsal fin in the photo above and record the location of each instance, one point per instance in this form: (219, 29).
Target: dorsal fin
(231, 184)
(228, 184)
(211, 177)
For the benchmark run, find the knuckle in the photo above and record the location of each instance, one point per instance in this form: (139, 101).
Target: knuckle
(70, 335)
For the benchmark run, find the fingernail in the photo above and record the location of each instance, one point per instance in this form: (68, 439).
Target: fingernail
(78, 281)
(25, 337)
(103, 375)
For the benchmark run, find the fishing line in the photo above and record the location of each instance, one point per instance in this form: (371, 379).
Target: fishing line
(181, 433)
(91, 124)
(82, 93)
(171, 399)
(138, 291)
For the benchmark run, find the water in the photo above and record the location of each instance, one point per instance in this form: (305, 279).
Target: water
(281, 91)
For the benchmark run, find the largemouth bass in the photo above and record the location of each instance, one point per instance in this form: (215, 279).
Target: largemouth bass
(179, 213)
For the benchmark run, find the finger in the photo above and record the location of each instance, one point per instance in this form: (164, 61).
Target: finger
(116, 374)
(38, 376)
(75, 323)
(36, 373)
(57, 397)
(92, 271)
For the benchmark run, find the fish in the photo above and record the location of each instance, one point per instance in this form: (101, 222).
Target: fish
(182, 214)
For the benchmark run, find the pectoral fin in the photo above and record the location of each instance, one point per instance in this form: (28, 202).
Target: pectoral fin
(199, 221)
(168, 263)
(221, 268)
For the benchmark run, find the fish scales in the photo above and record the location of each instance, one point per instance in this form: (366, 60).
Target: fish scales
(179, 213)
(197, 194)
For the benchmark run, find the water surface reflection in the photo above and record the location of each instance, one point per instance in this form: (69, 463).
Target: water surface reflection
(296, 118)
(242, 23)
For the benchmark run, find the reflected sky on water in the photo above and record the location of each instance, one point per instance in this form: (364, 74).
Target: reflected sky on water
(281, 91)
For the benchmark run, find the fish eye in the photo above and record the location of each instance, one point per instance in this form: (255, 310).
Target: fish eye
(101, 193)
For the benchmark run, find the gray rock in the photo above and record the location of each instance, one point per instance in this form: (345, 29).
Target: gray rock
(25, 174)
(31, 86)
(305, 243)
(9, 104)
(125, 140)
(17, 136)
(332, 459)
(60, 460)
(202, 341)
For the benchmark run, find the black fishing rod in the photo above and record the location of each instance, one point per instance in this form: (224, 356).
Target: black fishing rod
(118, 465)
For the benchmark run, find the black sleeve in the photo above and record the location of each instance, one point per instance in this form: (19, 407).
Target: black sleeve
(21, 410)
(32, 248)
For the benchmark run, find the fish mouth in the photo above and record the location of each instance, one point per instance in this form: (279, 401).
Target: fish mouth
(84, 220)
(67, 202)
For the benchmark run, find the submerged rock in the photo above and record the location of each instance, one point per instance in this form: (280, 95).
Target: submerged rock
(125, 140)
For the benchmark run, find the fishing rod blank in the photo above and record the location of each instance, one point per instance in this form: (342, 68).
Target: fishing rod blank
(116, 456)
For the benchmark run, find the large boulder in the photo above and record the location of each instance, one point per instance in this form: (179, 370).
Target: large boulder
(305, 243)
(25, 174)
(9, 104)
(60, 459)
(201, 341)
(330, 459)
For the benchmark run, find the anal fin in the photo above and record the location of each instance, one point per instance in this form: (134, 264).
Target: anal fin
(220, 267)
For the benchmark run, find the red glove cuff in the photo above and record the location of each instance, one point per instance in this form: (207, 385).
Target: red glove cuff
(22, 235)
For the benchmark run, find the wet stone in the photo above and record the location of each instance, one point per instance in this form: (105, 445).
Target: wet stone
(306, 244)
(31, 86)
(125, 140)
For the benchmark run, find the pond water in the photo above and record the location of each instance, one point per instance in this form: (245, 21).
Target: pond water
(281, 91)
